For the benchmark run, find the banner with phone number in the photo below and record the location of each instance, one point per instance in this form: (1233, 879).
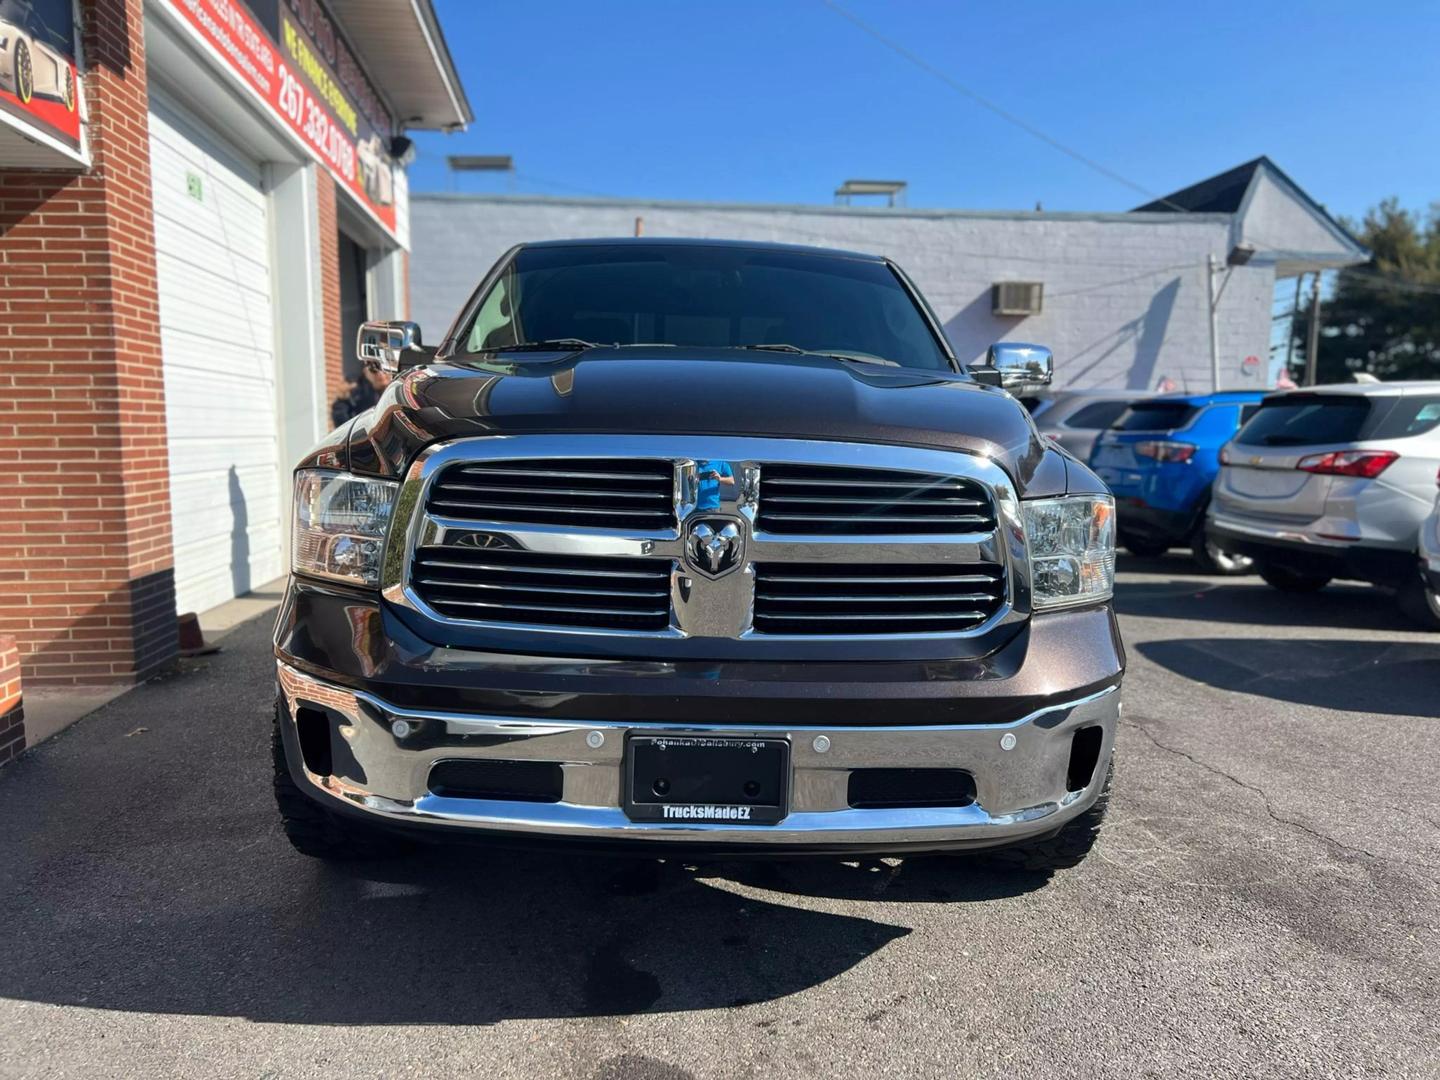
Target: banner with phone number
(296, 68)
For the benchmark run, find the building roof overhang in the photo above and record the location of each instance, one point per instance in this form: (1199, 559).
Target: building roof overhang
(404, 51)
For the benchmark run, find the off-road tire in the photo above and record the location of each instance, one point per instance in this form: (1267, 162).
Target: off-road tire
(1064, 849)
(320, 833)
(1291, 581)
(1213, 559)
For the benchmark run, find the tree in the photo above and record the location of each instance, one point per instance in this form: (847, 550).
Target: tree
(1384, 317)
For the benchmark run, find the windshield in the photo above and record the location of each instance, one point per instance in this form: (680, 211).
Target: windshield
(705, 297)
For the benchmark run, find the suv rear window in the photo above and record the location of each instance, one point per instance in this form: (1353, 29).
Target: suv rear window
(1155, 416)
(1306, 421)
(1098, 414)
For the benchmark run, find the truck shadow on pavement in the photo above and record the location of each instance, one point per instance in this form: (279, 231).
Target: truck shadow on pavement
(1393, 678)
(150, 876)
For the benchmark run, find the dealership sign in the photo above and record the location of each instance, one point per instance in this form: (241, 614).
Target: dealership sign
(39, 86)
(290, 53)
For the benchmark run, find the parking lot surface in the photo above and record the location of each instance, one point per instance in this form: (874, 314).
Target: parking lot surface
(1265, 900)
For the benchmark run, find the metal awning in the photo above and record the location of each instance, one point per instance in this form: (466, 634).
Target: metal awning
(403, 49)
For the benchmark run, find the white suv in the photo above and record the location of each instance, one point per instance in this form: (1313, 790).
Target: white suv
(1334, 482)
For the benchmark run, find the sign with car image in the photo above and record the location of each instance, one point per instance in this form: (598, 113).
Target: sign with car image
(292, 55)
(39, 85)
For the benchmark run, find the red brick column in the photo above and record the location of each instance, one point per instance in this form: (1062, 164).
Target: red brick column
(86, 572)
(12, 705)
(335, 385)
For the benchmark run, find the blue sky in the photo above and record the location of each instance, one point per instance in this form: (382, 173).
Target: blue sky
(780, 101)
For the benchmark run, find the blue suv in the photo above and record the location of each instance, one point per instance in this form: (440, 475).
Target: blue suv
(1160, 459)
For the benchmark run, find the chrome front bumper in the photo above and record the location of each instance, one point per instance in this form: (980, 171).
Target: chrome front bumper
(1019, 770)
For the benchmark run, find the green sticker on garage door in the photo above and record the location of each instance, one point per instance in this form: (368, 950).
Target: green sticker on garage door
(193, 187)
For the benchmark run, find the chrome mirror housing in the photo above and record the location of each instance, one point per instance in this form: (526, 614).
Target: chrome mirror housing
(389, 345)
(1015, 364)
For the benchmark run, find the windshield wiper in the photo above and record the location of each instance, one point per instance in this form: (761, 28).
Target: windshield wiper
(562, 344)
(860, 358)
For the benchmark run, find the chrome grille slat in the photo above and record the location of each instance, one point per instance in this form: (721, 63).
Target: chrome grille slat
(606, 511)
(583, 492)
(630, 495)
(883, 519)
(900, 616)
(888, 579)
(557, 609)
(883, 599)
(498, 568)
(841, 500)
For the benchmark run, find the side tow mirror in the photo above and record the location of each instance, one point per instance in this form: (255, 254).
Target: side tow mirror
(1014, 364)
(391, 346)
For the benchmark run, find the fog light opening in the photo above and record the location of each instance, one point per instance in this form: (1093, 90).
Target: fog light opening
(313, 727)
(1084, 756)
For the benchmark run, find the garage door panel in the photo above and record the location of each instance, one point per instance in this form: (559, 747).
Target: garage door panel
(217, 336)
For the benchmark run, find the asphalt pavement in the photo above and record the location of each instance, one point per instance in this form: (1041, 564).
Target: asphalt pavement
(1265, 900)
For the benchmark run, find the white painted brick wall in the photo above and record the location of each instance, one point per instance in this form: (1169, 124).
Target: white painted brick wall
(1125, 299)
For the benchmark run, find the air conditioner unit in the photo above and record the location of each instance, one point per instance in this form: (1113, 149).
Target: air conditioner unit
(1016, 297)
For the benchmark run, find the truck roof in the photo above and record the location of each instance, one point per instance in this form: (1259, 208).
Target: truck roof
(681, 241)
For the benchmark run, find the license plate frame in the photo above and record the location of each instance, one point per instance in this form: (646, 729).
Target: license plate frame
(705, 779)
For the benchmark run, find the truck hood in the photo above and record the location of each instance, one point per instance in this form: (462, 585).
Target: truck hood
(697, 392)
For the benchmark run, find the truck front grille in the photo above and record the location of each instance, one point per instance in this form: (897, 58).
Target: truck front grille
(708, 548)
(871, 598)
(585, 493)
(501, 585)
(825, 500)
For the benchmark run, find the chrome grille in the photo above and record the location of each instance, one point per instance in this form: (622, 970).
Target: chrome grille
(826, 500)
(584, 493)
(502, 585)
(716, 548)
(875, 598)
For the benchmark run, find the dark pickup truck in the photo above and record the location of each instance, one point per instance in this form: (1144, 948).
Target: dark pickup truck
(697, 546)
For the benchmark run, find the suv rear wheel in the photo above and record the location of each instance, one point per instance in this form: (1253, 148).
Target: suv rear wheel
(1144, 549)
(1292, 581)
(1213, 559)
(318, 832)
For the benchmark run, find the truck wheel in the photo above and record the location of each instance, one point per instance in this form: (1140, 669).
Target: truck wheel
(24, 73)
(1419, 603)
(1213, 559)
(1064, 849)
(320, 833)
(1292, 581)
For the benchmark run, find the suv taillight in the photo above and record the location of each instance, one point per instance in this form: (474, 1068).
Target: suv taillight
(1164, 450)
(1363, 463)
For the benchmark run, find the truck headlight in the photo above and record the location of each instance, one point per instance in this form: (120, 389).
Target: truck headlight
(1072, 550)
(340, 526)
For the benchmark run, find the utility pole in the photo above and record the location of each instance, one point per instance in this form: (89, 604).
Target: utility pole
(1294, 312)
(1312, 343)
(1213, 268)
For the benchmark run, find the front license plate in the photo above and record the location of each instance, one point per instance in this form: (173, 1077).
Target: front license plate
(699, 778)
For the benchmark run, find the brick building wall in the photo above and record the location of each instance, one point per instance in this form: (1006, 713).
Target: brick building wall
(86, 577)
(12, 704)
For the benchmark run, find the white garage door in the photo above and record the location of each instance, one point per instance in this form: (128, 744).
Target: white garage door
(212, 241)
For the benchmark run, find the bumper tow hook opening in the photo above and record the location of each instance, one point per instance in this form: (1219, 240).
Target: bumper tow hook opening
(1084, 756)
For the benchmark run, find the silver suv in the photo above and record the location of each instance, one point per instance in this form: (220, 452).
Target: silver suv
(1075, 418)
(1334, 482)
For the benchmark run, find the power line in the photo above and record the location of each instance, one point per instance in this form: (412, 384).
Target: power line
(1004, 114)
